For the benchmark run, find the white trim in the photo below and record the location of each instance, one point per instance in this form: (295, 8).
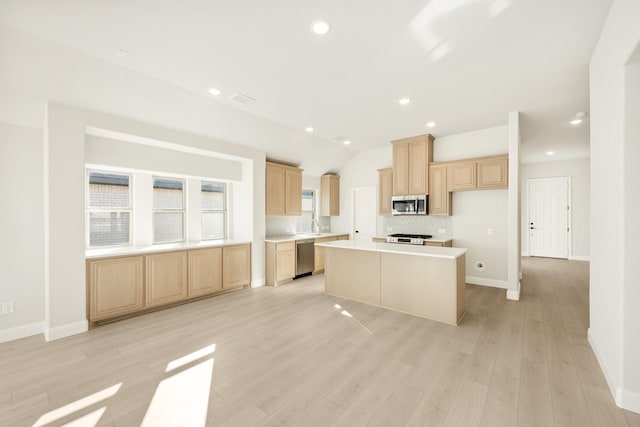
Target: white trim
(579, 258)
(21, 331)
(525, 254)
(613, 387)
(257, 283)
(51, 334)
(514, 294)
(493, 283)
(628, 400)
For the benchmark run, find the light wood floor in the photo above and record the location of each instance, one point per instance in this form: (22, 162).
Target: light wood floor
(293, 356)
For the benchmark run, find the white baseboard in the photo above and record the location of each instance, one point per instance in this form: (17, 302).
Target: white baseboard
(524, 254)
(493, 283)
(618, 393)
(67, 330)
(514, 294)
(579, 258)
(629, 400)
(258, 283)
(21, 331)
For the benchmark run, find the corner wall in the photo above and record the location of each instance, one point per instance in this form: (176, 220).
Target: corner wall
(613, 272)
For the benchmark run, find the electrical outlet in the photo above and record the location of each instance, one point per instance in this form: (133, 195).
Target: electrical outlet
(8, 307)
(489, 231)
(442, 230)
(479, 266)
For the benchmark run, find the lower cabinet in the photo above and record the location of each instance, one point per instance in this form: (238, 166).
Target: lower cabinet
(205, 271)
(166, 278)
(281, 262)
(236, 266)
(116, 287)
(126, 285)
(318, 254)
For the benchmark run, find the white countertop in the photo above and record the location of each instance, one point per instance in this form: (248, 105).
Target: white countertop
(431, 239)
(134, 250)
(395, 248)
(287, 237)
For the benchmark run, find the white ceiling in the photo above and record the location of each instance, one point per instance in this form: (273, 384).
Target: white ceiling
(464, 63)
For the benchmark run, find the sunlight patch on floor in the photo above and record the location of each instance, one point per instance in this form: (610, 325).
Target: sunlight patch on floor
(78, 405)
(185, 360)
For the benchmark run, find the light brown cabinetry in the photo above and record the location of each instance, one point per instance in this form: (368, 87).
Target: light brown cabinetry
(493, 172)
(283, 190)
(385, 191)
(330, 195)
(133, 284)
(318, 254)
(461, 176)
(343, 237)
(205, 271)
(236, 266)
(116, 287)
(439, 195)
(281, 262)
(166, 278)
(411, 157)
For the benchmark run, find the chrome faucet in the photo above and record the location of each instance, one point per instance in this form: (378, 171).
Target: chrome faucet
(317, 225)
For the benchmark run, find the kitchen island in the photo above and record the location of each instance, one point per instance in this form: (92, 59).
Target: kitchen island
(423, 281)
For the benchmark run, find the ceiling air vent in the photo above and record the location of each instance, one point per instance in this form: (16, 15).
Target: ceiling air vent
(242, 98)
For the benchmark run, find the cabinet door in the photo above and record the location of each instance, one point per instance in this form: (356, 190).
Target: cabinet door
(418, 165)
(493, 172)
(166, 278)
(385, 188)
(400, 168)
(275, 190)
(236, 266)
(439, 196)
(285, 265)
(334, 196)
(116, 287)
(293, 192)
(318, 254)
(461, 176)
(205, 271)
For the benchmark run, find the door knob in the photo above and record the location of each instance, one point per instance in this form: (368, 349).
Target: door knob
(357, 231)
(533, 228)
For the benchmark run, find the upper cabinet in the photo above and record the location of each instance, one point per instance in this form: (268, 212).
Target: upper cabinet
(283, 190)
(385, 188)
(411, 157)
(461, 175)
(439, 194)
(493, 172)
(330, 195)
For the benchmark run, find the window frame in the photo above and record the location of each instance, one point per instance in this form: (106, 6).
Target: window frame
(183, 210)
(314, 212)
(224, 210)
(89, 209)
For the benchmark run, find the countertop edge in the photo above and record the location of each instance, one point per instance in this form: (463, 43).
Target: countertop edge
(393, 248)
(151, 249)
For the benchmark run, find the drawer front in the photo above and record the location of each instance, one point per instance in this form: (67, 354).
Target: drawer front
(284, 246)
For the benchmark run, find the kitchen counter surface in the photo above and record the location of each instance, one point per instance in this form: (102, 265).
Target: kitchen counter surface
(287, 237)
(394, 248)
(142, 250)
(432, 239)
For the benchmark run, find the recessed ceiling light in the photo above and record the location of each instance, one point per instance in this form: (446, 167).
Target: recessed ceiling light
(404, 101)
(550, 153)
(346, 142)
(431, 124)
(320, 27)
(215, 91)
(309, 129)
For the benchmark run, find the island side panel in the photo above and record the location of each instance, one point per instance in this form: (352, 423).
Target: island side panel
(352, 274)
(462, 286)
(420, 285)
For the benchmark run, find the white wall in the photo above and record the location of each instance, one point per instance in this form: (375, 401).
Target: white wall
(578, 170)
(474, 212)
(613, 294)
(21, 216)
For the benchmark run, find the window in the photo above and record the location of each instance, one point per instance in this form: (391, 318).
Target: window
(214, 212)
(168, 210)
(109, 209)
(308, 210)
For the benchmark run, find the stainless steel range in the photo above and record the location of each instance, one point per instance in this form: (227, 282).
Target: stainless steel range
(410, 239)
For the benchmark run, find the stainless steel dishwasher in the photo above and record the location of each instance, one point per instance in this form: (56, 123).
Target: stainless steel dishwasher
(304, 256)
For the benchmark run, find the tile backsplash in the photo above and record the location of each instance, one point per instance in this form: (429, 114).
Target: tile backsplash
(278, 225)
(415, 224)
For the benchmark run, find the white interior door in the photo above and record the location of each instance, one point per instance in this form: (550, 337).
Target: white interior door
(549, 217)
(364, 213)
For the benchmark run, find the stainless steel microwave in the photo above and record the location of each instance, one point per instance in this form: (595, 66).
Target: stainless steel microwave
(410, 205)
